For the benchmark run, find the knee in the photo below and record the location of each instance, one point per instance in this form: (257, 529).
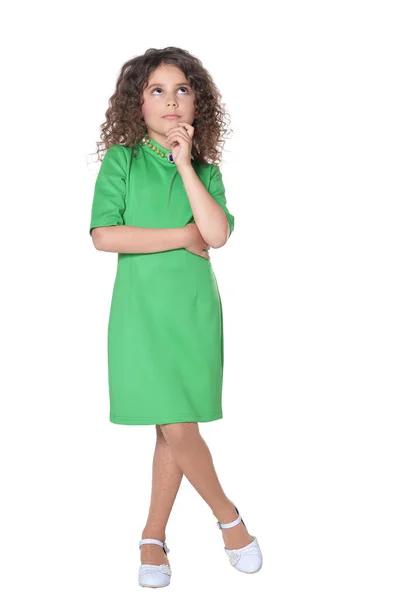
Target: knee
(179, 433)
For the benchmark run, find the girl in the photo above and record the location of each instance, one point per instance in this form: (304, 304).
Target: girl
(159, 202)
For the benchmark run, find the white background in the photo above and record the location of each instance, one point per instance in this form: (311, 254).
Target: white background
(308, 445)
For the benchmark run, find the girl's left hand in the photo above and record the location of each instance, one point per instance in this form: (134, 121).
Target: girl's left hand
(180, 139)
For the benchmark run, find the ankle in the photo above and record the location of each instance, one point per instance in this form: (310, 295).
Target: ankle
(155, 534)
(226, 513)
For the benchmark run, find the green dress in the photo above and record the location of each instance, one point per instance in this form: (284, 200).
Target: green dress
(165, 329)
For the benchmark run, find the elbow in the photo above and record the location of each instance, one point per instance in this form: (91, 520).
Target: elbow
(219, 244)
(98, 238)
(223, 240)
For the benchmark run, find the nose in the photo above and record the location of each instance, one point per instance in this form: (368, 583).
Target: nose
(173, 102)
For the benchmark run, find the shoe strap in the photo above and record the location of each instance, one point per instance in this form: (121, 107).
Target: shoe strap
(153, 541)
(228, 525)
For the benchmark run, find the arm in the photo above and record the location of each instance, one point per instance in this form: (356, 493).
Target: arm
(209, 216)
(127, 239)
(107, 228)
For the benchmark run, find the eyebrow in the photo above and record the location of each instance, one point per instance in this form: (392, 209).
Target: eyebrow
(161, 84)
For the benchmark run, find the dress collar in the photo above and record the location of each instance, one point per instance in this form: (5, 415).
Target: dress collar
(159, 151)
(164, 155)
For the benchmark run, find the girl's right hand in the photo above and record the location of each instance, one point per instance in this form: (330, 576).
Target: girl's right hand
(196, 243)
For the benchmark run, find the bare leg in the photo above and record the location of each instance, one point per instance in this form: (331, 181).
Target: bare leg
(192, 455)
(166, 480)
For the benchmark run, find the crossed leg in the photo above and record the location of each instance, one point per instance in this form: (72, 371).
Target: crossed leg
(166, 480)
(180, 449)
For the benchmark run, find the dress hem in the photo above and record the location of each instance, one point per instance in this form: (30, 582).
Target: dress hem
(163, 420)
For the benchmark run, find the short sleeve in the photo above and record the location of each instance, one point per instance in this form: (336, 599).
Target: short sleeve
(110, 189)
(217, 191)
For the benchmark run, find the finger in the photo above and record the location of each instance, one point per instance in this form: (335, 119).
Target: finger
(181, 128)
(176, 128)
(179, 139)
(188, 127)
(179, 132)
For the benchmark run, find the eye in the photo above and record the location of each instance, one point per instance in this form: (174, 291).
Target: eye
(180, 88)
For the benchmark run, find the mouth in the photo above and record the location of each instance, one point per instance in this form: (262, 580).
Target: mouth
(171, 116)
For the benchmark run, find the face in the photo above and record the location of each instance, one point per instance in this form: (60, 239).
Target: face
(167, 92)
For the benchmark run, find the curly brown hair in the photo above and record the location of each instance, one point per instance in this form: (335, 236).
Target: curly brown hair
(125, 124)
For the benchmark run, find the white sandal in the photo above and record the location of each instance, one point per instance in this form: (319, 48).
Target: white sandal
(154, 575)
(247, 559)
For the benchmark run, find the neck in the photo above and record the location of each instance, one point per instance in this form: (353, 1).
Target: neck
(160, 139)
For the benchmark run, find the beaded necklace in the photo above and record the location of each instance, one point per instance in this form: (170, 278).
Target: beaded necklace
(145, 141)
